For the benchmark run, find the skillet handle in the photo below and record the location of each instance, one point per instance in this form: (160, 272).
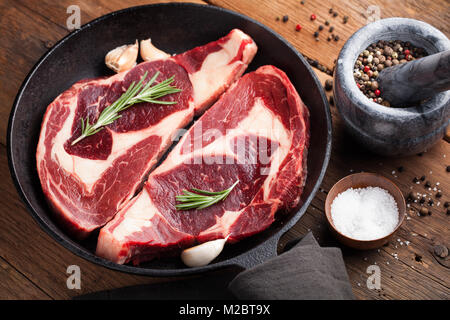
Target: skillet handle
(258, 255)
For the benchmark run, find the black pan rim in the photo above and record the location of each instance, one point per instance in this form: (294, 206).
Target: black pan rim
(70, 245)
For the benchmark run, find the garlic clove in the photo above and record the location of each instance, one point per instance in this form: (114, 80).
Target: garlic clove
(122, 58)
(204, 253)
(149, 52)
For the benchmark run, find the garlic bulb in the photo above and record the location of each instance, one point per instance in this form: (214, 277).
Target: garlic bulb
(149, 52)
(203, 254)
(122, 58)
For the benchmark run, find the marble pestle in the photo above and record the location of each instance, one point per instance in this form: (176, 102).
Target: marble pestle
(416, 80)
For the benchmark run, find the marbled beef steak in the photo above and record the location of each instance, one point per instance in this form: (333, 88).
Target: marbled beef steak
(257, 133)
(87, 183)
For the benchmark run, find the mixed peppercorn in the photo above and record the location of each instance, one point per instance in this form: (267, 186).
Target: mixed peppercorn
(313, 17)
(371, 61)
(375, 58)
(425, 198)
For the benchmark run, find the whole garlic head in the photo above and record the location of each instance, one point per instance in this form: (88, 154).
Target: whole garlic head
(122, 58)
(203, 254)
(149, 52)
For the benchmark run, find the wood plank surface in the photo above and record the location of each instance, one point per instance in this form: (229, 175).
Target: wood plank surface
(34, 266)
(359, 12)
(89, 9)
(14, 285)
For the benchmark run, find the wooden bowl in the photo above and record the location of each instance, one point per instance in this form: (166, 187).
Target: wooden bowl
(363, 180)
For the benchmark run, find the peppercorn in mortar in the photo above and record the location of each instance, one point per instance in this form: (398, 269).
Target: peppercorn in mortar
(375, 58)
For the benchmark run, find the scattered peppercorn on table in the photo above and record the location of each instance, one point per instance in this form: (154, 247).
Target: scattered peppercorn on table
(414, 265)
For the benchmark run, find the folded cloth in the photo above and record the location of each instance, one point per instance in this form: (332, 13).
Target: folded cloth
(305, 272)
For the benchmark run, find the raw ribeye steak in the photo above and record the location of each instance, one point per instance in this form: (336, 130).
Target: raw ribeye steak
(87, 183)
(257, 133)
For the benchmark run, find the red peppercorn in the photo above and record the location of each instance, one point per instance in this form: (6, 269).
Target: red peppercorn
(374, 100)
(377, 92)
(366, 69)
(359, 86)
(408, 57)
(313, 17)
(406, 52)
(298, 27)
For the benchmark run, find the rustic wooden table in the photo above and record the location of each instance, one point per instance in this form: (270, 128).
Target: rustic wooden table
(33, 266)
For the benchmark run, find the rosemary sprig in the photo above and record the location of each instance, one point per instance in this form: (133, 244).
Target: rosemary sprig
(134, 94)
(200, 199)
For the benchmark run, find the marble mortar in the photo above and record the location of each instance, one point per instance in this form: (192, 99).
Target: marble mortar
(385, 130)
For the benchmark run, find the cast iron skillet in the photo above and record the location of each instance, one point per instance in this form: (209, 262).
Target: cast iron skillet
(174, 28)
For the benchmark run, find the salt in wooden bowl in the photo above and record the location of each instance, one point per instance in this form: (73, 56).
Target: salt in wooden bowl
(363, 180)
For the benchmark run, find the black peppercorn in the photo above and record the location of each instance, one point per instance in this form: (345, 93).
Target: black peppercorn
(331, 100)
(328, 84)
(285, 18)
(316, 34)
(410, 197)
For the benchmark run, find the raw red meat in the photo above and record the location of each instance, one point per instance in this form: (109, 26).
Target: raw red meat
(257, 133)
(89, 182)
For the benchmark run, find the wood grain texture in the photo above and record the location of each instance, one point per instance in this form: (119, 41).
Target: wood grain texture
(55, 11)
(14, 285)
(34, 266)
(435, 12)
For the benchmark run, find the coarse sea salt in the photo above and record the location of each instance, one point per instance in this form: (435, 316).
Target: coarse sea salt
(365, 213)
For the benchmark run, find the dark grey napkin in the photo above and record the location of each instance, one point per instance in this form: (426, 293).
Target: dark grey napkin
(307, 271)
